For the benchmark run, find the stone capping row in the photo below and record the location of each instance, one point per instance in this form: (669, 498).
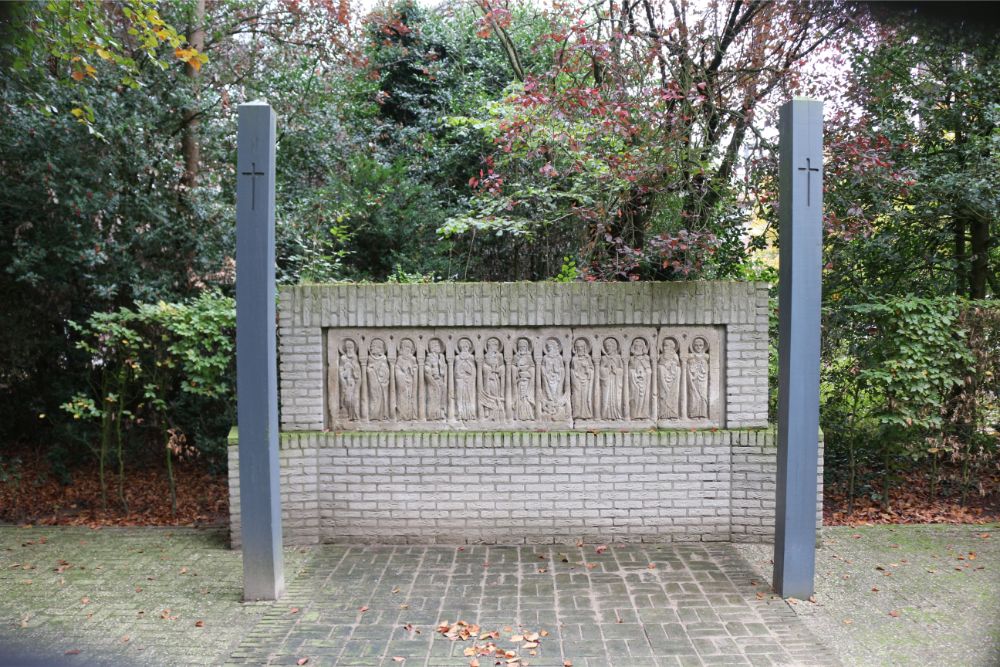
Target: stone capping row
(307, 312)
(521, 304)
(294, 440)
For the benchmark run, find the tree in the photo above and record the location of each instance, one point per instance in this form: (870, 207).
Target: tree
(635, 129)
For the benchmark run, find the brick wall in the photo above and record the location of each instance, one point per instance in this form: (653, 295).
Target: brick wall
(514, 487)
(519, 487)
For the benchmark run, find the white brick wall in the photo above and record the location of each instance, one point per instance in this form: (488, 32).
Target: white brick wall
(515, 487)
(524, 487)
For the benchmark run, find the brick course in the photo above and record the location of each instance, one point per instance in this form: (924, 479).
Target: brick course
(524, 487)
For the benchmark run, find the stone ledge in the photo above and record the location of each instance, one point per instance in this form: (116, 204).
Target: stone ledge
(737, 437)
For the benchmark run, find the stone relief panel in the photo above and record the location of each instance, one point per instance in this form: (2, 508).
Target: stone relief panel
(524, 378)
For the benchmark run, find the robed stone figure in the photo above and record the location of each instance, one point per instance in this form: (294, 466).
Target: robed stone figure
(492, 401)
(406, 381)
(553, 379)
(524, 381)
(465, 381)
(640, 379)
(581, 369)
(612, 380)
(669, 377)
(349, 377)
(697, 379)
(436, 381)
(378, 381)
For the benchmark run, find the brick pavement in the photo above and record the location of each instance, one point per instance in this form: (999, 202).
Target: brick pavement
(136, 596)
(623, 606)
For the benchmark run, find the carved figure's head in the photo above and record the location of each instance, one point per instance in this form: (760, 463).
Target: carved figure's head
(552, 346)
(406, 348)
(611, 345)
(523, 346)
(434, 346)
(349, 347)
(493, 345)
(465, 345)
(581, 346)
(639, 346)
(699, 345)
(377, 347)
(668, 346)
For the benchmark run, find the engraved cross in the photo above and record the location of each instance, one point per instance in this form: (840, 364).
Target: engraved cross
(253, 174)
(808, 169)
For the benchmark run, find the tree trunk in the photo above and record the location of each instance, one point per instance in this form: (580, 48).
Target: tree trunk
(189, 140)
(980, 242)
(961, 275)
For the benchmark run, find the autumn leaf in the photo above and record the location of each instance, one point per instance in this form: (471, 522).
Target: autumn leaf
(72, 651)
(199, 624)
(398, 658)
(77, 75)
(301, 661)
(894, 613)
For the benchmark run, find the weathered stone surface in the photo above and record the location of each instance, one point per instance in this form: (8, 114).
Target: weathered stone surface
(523, 379)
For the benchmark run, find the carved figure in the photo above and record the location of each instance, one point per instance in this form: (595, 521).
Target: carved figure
(553, 379)
(465, 381)
(350, 381)
(378, 381)
(669, 378)
(406, 381)
(612, 380)
(524, 381)
(581, 369)
(493, 382)
(436, 381)
(640, 375)
(697, 379)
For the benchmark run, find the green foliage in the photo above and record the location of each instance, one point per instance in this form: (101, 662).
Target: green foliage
(898, 386)
(145, 362)
(568, 273)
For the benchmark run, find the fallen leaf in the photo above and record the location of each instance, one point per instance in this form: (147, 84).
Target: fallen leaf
(363, 609)
(85, 601)
(293, 610)
(848, 621)
(812, 598)
(474, 663)
(199, 624)
(398, 658)
(567, 663)
(894, 613)
(601, 548)
(875, 589)
(72, 651)
(301, 661)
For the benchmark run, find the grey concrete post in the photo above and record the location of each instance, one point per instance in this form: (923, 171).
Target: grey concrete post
(256, 355)
(800, 282)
